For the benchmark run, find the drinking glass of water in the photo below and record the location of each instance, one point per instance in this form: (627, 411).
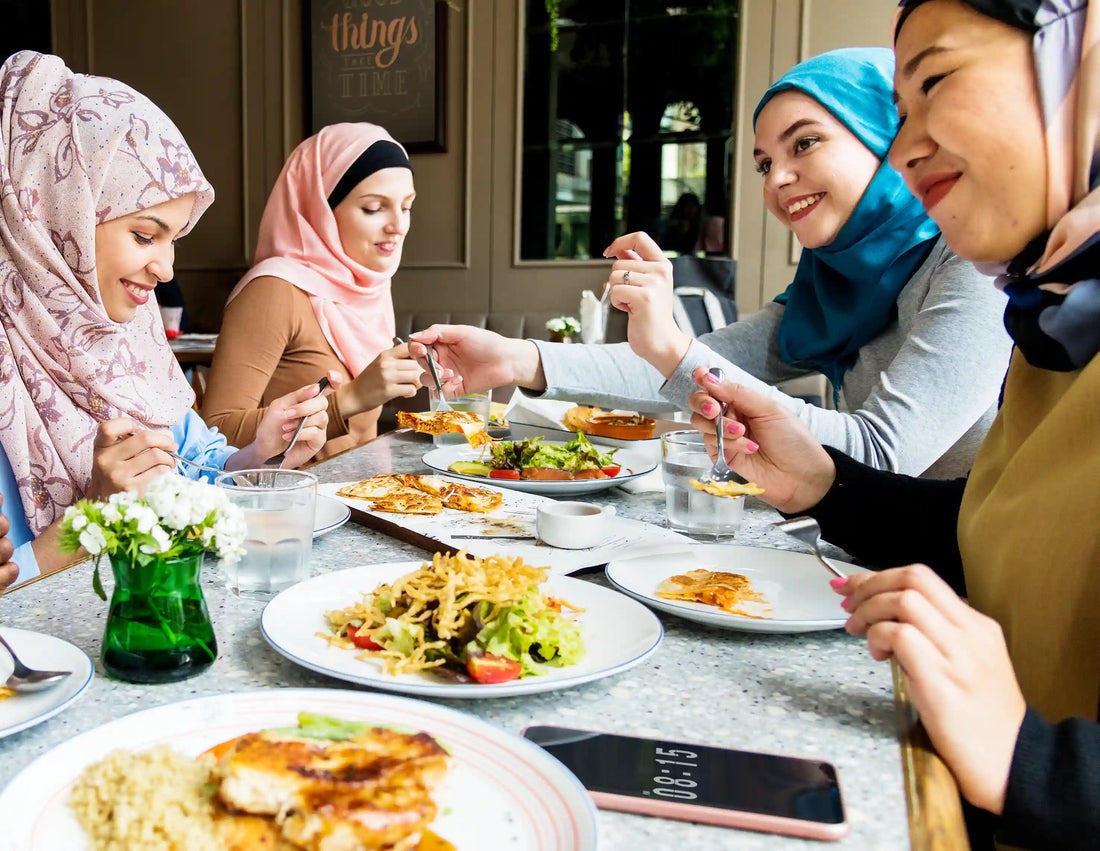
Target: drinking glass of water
(695, 512)
(278, 510)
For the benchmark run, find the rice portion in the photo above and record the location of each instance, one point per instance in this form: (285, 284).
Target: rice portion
(154, 800)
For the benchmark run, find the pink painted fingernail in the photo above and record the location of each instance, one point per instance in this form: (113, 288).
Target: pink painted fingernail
(713, 379)
(734, 428)
(846, 604)
(708, 408)
(752, 447)
(838, 581)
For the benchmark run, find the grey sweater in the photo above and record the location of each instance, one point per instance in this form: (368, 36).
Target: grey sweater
(919, 399)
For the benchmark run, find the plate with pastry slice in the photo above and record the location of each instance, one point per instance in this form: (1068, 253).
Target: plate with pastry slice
(755, 589)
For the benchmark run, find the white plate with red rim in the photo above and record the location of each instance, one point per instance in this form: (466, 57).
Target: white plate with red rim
(632, 464)
(617, 632)
(46, 653)
(501, 791)
(794, 585)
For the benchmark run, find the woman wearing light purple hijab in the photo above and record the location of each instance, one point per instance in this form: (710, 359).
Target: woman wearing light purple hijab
(96, 187)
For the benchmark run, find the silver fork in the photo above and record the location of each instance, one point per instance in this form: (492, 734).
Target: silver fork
(277, 460)
(442, 404)
(721, 471)
(807, 530)
(28, 679)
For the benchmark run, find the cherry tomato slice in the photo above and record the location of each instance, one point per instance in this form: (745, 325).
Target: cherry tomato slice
(504, 474)
(612, 470)
(488, 669)
(362, 640)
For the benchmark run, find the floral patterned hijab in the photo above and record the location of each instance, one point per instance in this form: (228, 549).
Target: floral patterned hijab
(1053, 313)
(76, 151)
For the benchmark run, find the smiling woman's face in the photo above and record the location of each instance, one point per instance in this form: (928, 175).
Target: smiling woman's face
(134, 253)
(971, 146)
(815, 169)
(374, 219)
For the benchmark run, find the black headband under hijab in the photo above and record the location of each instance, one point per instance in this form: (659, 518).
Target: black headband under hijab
(380, 155)
(1015, 13)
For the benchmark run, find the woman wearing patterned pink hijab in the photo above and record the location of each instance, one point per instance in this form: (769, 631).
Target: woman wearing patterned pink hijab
(96, 186)
(318, 301)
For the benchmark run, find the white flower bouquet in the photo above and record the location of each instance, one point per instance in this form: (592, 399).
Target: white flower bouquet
(176, 518)
(566, 326)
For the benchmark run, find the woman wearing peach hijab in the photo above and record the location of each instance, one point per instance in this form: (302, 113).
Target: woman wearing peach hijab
(317, 301)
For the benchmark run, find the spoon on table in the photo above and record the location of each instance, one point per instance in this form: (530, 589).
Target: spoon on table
(28, 679)
(807, 530)
(277, 460)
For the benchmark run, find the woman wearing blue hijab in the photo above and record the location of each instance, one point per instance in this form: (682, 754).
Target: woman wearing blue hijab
(902, 328)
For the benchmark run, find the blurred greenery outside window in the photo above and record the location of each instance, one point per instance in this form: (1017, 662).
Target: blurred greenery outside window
(628, 110)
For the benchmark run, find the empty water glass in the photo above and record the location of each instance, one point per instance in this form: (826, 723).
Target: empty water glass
(278, 510)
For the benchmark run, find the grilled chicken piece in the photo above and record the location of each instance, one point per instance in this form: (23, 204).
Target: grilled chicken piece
(369, 792)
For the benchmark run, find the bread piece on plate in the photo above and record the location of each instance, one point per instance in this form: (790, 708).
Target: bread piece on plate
(373, 487)
(407, 502)
(468, 498)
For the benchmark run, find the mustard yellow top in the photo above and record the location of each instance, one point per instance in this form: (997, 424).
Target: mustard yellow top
(1029, 534)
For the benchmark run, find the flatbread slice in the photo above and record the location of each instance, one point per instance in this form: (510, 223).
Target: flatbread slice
(469, 498)
(375, 486)
(712, 588)
(407, 502)
(442, 422)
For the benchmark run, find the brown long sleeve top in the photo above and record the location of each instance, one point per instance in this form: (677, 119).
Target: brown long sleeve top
(271, 344)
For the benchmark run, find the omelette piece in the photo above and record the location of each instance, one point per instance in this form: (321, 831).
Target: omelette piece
(372, 791)
(731, 489)
(712, 588)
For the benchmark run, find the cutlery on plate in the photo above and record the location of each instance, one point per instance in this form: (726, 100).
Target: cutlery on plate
(807, 530)
(28, 679)
(277, 460)
(721, 471)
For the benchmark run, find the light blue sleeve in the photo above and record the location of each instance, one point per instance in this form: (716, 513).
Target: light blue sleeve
(20, 533)
(199, 443)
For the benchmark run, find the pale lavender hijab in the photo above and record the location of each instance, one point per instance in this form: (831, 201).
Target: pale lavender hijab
(76, 151)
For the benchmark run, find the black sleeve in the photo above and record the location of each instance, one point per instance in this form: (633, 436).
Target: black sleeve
(1053, 795)
(887, 519)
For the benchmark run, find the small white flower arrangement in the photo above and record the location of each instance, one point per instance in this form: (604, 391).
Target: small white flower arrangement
(176, 517)
(566, 326)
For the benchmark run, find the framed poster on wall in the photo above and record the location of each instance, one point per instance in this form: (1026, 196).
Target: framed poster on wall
(382, 61)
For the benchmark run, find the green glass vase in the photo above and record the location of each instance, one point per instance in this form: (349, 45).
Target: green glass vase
(158, 627)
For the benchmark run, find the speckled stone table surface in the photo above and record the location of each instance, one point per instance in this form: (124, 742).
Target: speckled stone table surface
(815, 695)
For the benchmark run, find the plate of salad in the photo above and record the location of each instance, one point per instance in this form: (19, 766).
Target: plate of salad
(502, 633)
(549, 468)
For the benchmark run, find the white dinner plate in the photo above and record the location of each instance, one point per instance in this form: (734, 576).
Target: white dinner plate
(795, 586)
(618, 633)
(46, 653)
(331, 514)
(501, 791)
(633, 464)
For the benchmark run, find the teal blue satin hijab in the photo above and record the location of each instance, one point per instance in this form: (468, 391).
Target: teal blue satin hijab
(845, 293)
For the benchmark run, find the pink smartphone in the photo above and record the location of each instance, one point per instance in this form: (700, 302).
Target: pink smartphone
(752, 791)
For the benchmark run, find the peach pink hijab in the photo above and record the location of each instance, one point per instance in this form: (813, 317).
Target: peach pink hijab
(299, 242)
(76, 151)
